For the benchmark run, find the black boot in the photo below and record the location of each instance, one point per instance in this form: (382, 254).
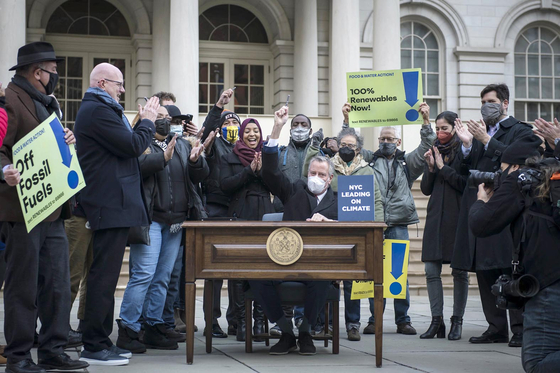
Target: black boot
(128, 339)
(258, 316)
(436, 327)
(456, 328)
(239, 305)
(155, 336)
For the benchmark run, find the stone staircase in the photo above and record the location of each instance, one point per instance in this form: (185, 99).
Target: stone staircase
(416, 277)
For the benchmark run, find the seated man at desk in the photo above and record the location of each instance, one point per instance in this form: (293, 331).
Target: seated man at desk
(312, 201)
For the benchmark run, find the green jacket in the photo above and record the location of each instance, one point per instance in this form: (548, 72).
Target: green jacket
(358, 167)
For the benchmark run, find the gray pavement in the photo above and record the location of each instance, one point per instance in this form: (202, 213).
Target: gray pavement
(400, 353)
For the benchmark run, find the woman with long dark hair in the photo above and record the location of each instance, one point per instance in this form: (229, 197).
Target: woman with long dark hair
(444, 183)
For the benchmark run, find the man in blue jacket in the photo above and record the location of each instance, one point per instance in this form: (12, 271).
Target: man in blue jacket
(113, 200)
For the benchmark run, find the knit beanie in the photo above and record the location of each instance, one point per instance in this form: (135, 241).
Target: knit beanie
(226, 114)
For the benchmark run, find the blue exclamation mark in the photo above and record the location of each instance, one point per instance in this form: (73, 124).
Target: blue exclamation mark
(410, 79)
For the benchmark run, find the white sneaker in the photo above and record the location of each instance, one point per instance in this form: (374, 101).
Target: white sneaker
(103, 357)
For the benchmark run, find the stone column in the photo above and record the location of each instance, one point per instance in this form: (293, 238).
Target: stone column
(183, 57)
(12, 29)
(386, 49)
(306, 73)
(160, 46)
(345, 54)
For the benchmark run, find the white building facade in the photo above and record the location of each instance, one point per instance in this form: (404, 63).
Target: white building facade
(270, 49)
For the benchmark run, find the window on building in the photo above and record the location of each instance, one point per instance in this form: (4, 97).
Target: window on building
(211, 78)
(88, 17)
(69, 90)
(248, 78)
(231, 23)
(420, 49)
(537, 74)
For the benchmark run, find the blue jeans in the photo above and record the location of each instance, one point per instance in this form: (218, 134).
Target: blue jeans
(541, 331)
(150, 269)
(352, 307)
(174, 298)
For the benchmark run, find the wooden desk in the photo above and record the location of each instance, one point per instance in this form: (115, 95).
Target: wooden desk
(237, 250)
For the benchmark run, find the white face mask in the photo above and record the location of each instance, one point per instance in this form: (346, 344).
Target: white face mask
(177, 128)
(316, 185)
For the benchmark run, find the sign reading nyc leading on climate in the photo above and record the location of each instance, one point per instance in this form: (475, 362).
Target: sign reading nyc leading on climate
(356, 198)
(50, 172)
(384, 98)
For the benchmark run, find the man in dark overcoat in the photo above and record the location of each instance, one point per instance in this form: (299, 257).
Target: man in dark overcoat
(37, 274)
(489, 257)
(313, 200)
(108, 150)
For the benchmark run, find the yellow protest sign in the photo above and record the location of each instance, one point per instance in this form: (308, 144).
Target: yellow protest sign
(384, 98)
(50, 172)
(395, 270)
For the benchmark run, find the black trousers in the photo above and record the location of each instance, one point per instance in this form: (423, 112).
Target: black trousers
(37, 284)
(108, 252)
(497, 318)
(266, 294)
(215, 210)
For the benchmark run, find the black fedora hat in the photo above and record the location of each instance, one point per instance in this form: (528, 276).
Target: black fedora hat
(38, 51)
(174, 112)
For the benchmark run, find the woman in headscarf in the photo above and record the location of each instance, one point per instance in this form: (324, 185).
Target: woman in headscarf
(250, 199)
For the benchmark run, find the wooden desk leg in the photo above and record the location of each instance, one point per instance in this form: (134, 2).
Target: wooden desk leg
(190, 298)
(248, 325)
(208, 309)
(336, 328)
(378, 309)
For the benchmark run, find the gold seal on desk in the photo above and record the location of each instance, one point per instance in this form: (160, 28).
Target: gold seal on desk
(284, 246)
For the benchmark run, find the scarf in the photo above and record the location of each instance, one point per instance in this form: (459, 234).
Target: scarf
(245, 153)
(344, 169)
(110, 101)
(448, 150)
(44, 105)
(161, 144)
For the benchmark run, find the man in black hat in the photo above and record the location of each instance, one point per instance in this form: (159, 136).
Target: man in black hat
(37, 275)
(178, 120)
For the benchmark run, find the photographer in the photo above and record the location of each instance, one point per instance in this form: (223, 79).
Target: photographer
(524, 200)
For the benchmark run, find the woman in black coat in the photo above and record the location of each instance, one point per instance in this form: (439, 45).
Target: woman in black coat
(250, 199)
(444, 183)
(240, 175)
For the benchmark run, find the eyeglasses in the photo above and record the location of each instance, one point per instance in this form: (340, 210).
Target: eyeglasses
(47, 71)
(387, 139)
(119, 84)
(351, 146)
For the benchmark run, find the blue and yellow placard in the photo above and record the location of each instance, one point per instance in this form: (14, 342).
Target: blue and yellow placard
(49, 169)
(384, 98)
(395, 272)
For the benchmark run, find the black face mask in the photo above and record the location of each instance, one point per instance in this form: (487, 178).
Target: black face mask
(163, 126)
(51, 85)
(346, 154)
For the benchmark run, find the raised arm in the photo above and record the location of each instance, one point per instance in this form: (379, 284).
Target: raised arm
(271, 174)
(119, 140)
(212, 121)
(415, 159)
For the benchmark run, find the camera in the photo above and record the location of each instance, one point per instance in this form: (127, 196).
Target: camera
(513, 293)
(488, 178)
